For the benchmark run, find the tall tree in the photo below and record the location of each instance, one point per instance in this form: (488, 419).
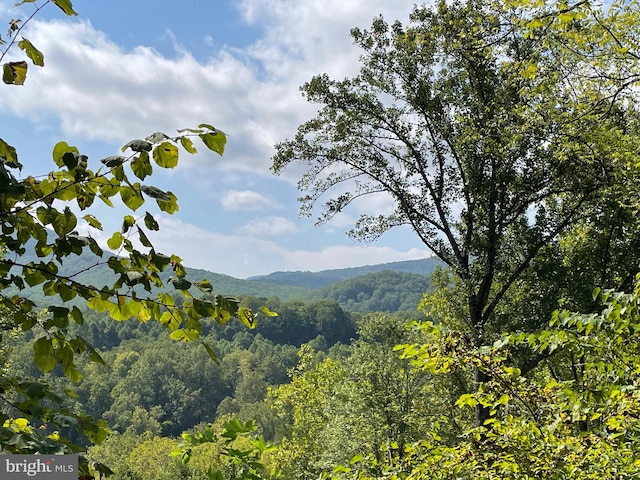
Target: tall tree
(488, 145)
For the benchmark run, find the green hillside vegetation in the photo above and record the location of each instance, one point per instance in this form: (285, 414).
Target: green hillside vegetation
(385, 291)
(362, 289)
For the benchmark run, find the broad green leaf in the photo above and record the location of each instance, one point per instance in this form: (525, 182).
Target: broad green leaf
(127, 222)
(32, 276)
(14, 73)
(72, 372)
(166, 155)
(59, 151)
(32, 52)
(65, 292)
(43, 355)
(214, 141)
(132, 197)
(76, 315)
(143, 238)
(180, 283)
(170, 206)
(8, 155)
(115, 241)
(141, 166)
(66, 7)
(65, 222)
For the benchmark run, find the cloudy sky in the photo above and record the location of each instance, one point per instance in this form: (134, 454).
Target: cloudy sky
(124, 69)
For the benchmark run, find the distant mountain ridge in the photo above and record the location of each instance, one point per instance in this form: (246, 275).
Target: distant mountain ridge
(315, 280)
(381, 287)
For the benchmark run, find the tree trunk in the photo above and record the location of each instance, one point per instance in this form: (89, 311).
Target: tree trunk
(482, 413)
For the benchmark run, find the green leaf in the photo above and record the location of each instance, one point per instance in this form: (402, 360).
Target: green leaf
(204, 286)
(127, 222)
(132, 197)
(268, 312)
(170, 206)
(166, 155)
(60, 150)
(115, 241)
(150, 222)
(66, 7)
(32, 52)
(9, 155)
(141, 166)
(180, 283)
(214, 141)
(43, 355)
(143, 238)
(187, 144)
(138, 146)
(113, 161)
(14, 73)
(65, 222)
(211, 353)
(93, 221)
(246, 316)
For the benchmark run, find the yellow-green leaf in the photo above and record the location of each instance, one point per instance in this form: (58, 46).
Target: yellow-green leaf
(32, 52)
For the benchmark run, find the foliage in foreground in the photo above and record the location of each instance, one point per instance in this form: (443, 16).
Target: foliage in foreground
(576, 417)
(45, 214)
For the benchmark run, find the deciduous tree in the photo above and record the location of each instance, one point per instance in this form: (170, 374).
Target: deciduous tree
(489, 137)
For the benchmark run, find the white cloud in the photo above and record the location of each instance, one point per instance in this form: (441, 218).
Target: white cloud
(98, 90)
(269, 227)
(245, 200)
(343, 256)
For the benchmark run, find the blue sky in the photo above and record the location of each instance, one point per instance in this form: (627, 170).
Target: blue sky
(125, 69)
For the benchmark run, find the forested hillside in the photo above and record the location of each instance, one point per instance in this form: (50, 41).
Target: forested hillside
(387, 287)
(324, 278)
